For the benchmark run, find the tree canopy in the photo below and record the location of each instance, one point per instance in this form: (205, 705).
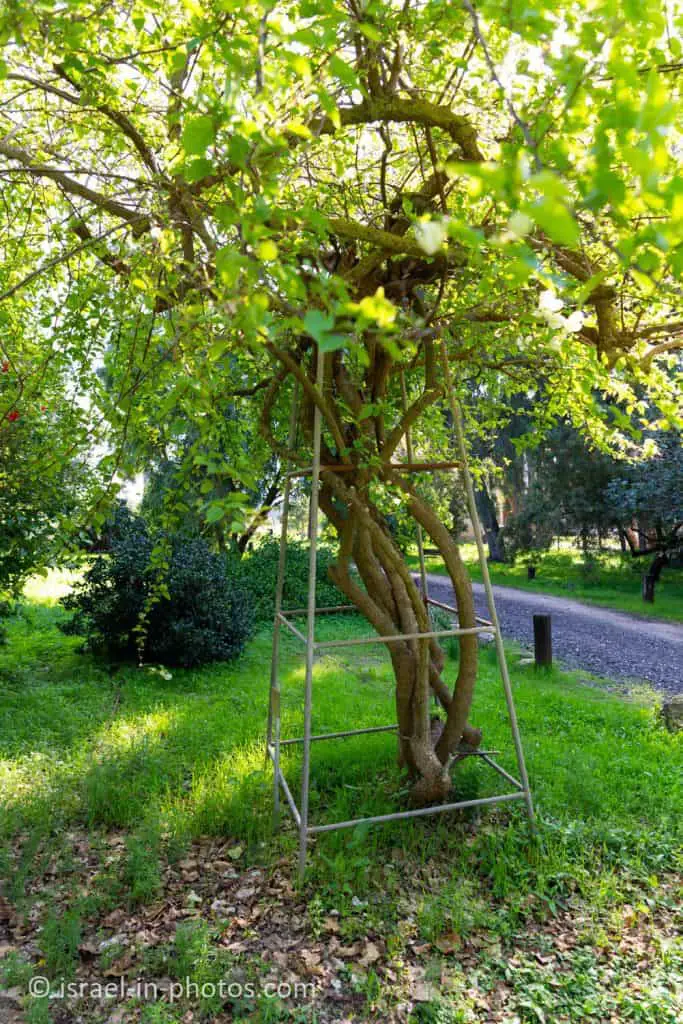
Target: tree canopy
(199, 197)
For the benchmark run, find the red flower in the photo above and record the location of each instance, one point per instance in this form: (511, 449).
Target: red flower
(43, 408)
(14, 415)
(5, 366)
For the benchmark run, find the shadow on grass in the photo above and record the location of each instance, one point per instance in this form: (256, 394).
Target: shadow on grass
(185, 757)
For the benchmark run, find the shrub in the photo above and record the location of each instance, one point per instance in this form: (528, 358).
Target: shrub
(203, 617)
(256, 574)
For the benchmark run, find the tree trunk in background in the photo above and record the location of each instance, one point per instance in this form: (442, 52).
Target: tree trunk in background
(653, 574)
(489, 520)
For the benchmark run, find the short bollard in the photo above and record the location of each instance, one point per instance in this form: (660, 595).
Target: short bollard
(543, 641)
(648, 588)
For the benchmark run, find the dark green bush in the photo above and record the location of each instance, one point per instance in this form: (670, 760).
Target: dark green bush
(204, 617)
(256, 574)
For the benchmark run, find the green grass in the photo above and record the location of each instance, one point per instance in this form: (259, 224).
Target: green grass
(610, 579)
(161, 762)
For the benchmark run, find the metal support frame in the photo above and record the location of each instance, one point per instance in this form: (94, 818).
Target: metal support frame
(274, 742)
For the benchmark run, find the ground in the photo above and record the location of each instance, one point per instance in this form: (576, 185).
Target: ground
(606, 578)
(137, 850)
(613, 644)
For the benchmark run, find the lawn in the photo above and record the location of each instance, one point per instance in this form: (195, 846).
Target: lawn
(609, 579)
(136, 844)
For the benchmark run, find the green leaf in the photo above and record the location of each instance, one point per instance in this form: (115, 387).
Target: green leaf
(370, 31)
(198, 134)
(214, 513)
(267, 251)
(343, 71)
(553, 217)
(318, 324)
(198, 169)
(331, 342)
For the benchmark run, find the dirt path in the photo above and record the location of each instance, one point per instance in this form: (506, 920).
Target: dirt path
(608, 643)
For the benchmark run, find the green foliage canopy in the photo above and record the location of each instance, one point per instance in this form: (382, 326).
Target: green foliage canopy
(191, 190)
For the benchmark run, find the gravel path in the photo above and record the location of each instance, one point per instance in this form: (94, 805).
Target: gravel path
(601, 641)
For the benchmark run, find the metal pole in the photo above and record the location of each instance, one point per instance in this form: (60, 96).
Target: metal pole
(409, 449)
(476, 526)
(421, 812)
(273, 732)
(310, 624)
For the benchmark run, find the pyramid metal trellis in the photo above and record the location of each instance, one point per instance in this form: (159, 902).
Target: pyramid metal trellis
(283, 617)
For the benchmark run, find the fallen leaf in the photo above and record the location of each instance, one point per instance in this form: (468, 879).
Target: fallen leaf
(371, 955)
(114, 919)
(12, 995)
(89, 949)
(448, 943)
(119, 967)
(348, 951)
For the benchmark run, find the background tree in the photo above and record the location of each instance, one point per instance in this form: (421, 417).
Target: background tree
(235, 187)
(43, 485)
(564, 493)
(646, 500)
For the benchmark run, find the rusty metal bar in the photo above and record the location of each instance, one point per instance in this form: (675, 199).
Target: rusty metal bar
(342, 735)
(326, 644)
(273, 729)
(395, 467)
(285, 622)
(409, 450)
(279, 777)
(420, 812)
(330, 609)
(476, 526)
(310, 620)
(501, 771)
(450, 608)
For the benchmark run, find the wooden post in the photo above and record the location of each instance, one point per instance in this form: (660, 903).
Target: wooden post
(531, 572)
(648, 588)
(543, 641)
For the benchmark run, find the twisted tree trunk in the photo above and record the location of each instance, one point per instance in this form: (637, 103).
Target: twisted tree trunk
(381, 587)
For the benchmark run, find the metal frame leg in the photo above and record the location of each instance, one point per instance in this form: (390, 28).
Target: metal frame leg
(409, 450)
(521, 788)
(500, 649)
(273, 730)
(310, 622)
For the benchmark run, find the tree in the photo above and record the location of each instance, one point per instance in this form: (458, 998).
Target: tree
(566, 493)
(237, 186)
(41, 484)
(646, 500)
(192, 469)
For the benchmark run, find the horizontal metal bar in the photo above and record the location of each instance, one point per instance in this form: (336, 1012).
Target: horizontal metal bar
(322, 611)
(450, 608)
(440, 604)
(396, 467)
(460, 754)
(283, 782)
(320, 645)
(420, 812)
(291, 628)
(342, 735)
(501, 771)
